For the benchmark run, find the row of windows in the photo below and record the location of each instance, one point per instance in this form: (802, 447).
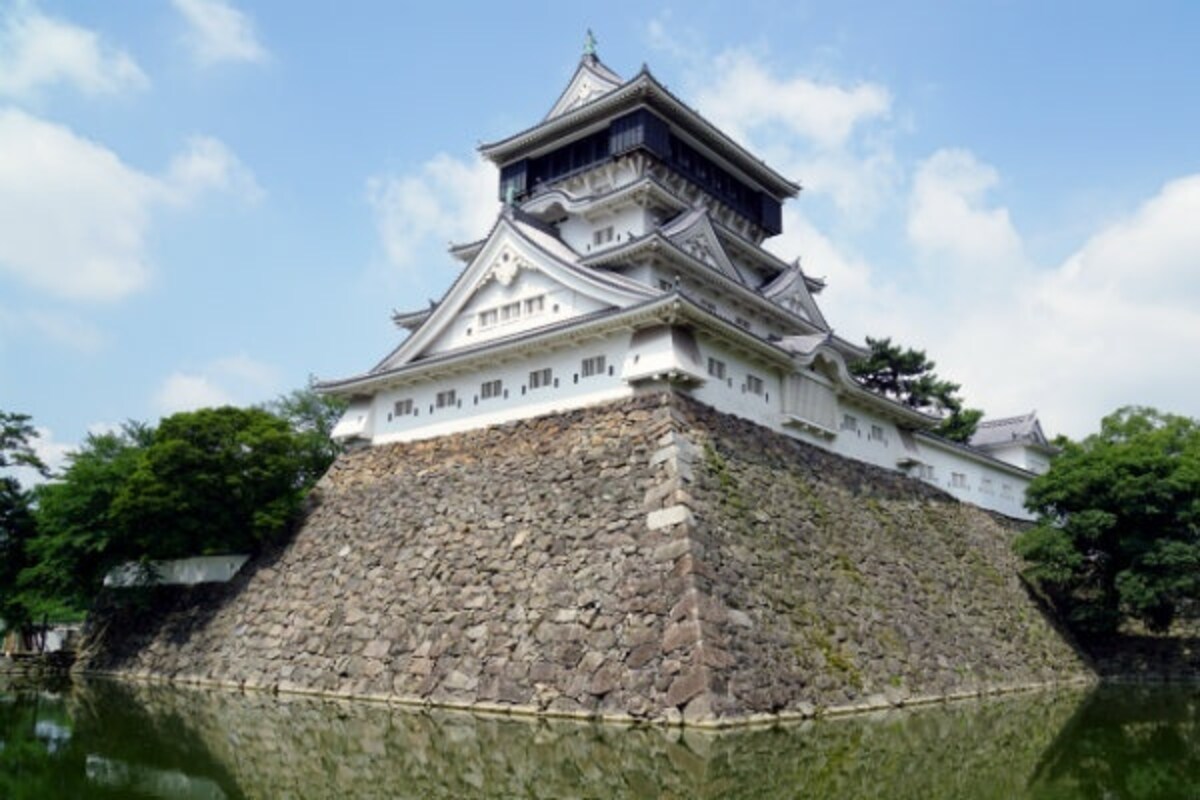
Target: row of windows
(958, 480)
(512, 311)
(717, 369)
(876, 434)
(489, 390)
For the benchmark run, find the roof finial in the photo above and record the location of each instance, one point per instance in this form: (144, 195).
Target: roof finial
(589, 44)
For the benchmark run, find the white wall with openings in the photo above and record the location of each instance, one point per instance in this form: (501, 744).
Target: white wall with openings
(537, 383)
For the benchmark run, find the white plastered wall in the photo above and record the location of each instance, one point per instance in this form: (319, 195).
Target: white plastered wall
(517, 399)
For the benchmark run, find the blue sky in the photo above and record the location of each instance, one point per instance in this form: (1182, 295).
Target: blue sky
(206, 201)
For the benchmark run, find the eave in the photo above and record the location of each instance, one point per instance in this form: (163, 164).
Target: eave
(506, 348)
(543, 199)
(642, 90)
(656, 244)
(466, 251)
(411, 320)
(540, 201)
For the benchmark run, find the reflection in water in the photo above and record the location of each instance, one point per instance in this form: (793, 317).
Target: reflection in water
(1127, 741)
(120, 740)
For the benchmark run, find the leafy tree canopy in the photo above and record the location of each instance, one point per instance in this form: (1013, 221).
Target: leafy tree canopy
(216, 480)
(1118, 535)
(312, 417)
(906, 376)
(213, 480)
(79, 539)
(16, 518)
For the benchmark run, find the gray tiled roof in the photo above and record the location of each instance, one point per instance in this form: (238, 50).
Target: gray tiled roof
(1006, 430)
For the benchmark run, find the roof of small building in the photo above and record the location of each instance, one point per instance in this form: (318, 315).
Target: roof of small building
(1021, 429)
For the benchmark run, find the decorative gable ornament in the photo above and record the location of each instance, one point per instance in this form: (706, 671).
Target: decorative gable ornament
(505, 268)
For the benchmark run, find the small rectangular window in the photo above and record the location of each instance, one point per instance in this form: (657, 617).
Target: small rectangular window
(540, 377)
(403, 407)
(958, 480)
(665, 285)
(592, 366)
(849, 422)
(985, 486)
(488, 318)
(602, 235)
(510, 311)
(716, 368)
(877, 434)
(446, 399)
(535, 305)
(490, 389)
(754, 384)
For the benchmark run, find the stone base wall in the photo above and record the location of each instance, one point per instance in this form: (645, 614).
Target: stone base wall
(651, 559)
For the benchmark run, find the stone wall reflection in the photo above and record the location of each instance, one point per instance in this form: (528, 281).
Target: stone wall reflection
(259, 745)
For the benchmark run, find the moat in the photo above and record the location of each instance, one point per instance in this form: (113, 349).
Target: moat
(109, 739)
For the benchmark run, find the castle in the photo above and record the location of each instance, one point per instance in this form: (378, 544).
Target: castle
(628, 258)
(621, 471)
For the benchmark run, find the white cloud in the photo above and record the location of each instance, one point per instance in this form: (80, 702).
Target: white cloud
(62, 328)
(233, 380)
(446, 200)
(859, 184)
(947, 218)
(37, 51)
(74, 218)
(207, 164)
(218, 32)
(187, 392)
(834, 137)
(746, 96)
(1107, 327)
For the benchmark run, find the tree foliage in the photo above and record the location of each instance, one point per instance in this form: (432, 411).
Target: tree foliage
(217, 480)
(1118, 533)
(17, 525)
(79, 539)
(312, 417)
(906, 376)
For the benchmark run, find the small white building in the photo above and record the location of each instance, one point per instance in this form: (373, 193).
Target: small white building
(629, 256)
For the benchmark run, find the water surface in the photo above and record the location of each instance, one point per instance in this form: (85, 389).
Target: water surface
(107, 739)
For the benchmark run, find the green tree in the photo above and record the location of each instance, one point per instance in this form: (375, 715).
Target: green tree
(1118, 533)
(214, 480)
(312, 416)
(78, 539)
(17, 525)
(209, 481)
(906, 376)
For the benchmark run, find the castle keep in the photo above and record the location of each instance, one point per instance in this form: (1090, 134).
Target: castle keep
(628, 257)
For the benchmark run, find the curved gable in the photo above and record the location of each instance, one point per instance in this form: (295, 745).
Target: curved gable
(513, 266)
